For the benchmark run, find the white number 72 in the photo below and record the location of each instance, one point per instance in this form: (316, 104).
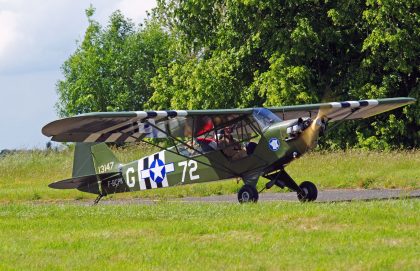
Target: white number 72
(193, 167)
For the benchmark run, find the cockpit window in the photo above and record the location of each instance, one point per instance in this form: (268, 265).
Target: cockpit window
(265, 117)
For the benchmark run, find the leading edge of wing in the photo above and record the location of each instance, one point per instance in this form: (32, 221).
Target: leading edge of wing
(400, 100)
(87, 127)
(343, 110)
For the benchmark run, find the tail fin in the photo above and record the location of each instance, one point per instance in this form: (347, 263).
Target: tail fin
(95, 170)
(93, 158)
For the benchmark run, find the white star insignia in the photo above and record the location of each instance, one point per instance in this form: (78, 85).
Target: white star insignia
(157, 170)
(274, 143)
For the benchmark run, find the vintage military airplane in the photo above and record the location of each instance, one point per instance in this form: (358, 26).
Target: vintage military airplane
(208, 145)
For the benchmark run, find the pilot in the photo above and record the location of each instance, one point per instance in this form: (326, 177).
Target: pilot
(229, 146)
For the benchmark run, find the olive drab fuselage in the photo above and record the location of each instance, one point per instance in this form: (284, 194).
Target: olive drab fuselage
(167, 168)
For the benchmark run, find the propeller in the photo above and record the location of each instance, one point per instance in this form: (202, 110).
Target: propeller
(310, 135)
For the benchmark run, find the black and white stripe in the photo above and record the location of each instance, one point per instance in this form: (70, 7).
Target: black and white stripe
(340, 110)
(354, 104)
(144, 164)
(126, 131)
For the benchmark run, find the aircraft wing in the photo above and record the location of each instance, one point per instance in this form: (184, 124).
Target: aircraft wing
(136, 125)
(342, 110)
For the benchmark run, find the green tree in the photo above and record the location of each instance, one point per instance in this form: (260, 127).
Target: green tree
(244, 53)
(112, 67)
(253, 53)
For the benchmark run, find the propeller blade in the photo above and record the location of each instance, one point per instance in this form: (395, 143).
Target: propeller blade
(311, 134)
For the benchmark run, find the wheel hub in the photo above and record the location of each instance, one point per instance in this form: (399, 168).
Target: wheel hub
(245, 196)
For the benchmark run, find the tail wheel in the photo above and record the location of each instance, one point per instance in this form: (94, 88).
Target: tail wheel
(248, 193)
(310, 192)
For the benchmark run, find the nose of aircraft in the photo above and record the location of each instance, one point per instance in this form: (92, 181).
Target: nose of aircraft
(311, 134)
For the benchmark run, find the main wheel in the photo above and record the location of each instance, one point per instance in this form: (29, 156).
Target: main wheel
(248, 193)
(309, 190)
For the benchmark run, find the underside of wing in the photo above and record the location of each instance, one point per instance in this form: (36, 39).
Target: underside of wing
(134, 126)
(347, 110)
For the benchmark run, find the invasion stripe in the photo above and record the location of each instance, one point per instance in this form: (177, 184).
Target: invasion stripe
(92, 137)
(354, 103)
(146, 166)
(335, 105)
(171, 113)
(368, 105)
(130, 139)
(151, 114)
(167, 167)
(119, 126)
(103, 138)
(140, 169)
(364, 103)
(181, 113)
(141, 114)
(161, 113)
(113, 137)
(123, 137)
(373, 102)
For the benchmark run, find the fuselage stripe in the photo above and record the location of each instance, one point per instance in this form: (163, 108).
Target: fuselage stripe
(165, 182)
(146, 166)
(142, 184)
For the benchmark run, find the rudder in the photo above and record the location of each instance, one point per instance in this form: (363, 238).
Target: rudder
(104, 159)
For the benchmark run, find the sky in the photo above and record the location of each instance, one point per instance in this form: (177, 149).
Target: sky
(36, 37)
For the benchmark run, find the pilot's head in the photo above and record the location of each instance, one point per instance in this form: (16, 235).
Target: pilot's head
(220, 135)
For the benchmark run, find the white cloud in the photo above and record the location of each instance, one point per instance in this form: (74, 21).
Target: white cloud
(9, 35)
(41, 34)
(36, 37)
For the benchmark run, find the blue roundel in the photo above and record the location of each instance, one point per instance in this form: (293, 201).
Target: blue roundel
(157, 171)
(274, 144)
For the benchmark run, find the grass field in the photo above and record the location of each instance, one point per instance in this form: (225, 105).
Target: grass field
(24, 176)
(37, 233)
(376, 235)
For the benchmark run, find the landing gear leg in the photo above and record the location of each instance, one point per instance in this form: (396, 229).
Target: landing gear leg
(98, 198)
(306, 191)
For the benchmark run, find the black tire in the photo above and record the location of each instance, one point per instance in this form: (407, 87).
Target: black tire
(310, 192)
(248, 193)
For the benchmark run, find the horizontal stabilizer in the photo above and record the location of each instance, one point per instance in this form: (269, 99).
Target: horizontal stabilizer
(87, 183)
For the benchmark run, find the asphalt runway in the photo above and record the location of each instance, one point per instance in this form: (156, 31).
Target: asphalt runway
(334, 195)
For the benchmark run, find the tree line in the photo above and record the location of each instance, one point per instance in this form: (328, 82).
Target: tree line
(191, 54)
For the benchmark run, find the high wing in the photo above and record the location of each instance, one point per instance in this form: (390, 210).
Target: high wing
(348, 110)
(137, 125)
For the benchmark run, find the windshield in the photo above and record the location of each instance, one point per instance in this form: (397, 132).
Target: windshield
(265, 117)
